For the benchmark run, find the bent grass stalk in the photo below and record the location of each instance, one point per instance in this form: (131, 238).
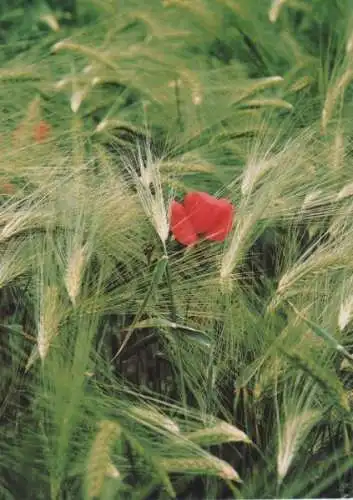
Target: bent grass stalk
(158, 273)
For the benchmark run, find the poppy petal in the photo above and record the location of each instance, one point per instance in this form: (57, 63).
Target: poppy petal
(181, 225)
(7, 188)
(201, 208)
(209, 215)
(222, 222)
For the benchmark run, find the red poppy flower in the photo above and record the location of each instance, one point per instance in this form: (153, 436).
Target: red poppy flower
(7, 188)
(201, 214)
(41, 131)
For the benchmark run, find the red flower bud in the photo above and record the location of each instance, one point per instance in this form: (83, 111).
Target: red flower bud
(41, 131)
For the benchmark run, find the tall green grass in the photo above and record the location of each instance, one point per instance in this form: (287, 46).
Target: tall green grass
(133, 367)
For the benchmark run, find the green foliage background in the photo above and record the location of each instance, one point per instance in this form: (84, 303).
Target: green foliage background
(132, 367)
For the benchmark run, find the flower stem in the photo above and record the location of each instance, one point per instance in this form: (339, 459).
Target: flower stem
(173, 313)
(173, 316)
